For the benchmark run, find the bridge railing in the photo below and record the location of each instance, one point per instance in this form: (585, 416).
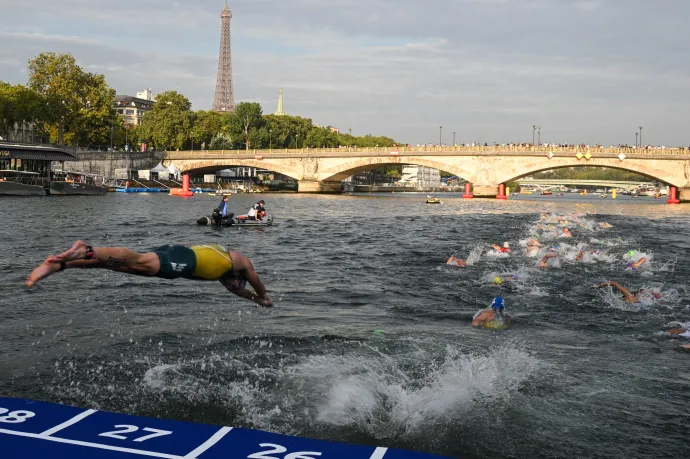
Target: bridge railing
(628, 151)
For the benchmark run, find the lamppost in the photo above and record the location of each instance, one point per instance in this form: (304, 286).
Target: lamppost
(538, 135)
(111, 136)
(636, 134)
(453, 138)
(640, 136)
(350, 129)
(534, 128)
(192, 140)
(440, 135)
(270, 141)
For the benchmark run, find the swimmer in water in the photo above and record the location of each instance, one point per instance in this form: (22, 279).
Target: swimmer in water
(455, 261)
(633, 266)
(629, 297)
(492, 317)
(504, 249)
(544, 263)
(605, 225)
(196, 262)
(566, 233)
(582, 253)
(533, 247)
(683, 333)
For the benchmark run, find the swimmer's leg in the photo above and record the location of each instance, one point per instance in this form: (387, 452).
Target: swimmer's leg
(113, 258)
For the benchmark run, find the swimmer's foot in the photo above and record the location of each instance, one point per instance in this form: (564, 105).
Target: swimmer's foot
(43, 270)
(79, 251)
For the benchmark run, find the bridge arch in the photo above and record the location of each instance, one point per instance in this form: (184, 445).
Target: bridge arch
(346, 169)
(640, 167)
(214, 165)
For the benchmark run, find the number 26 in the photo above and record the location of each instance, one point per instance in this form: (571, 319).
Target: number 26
(281, 449)
(129, 429)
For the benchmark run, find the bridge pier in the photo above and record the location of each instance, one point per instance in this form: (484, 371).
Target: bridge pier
(314, 186)
(485, 191)
(683, 194)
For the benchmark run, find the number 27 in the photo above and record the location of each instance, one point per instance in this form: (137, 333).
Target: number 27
(129, 429)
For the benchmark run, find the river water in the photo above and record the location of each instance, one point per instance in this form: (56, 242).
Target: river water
(370, 338)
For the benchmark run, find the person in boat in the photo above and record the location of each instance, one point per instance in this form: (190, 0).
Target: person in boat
(196, 262)
(493, 317)
(225, 213)
(504, 249)
(257, 211)
(455, 261)
(630, 297)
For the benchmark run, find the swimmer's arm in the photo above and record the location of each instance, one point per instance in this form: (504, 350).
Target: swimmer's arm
(677, 331)
(629, 297)
(639, 262)
(479, 319)
(243, 264)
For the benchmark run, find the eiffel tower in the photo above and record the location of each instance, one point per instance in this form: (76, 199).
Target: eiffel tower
(224, 99)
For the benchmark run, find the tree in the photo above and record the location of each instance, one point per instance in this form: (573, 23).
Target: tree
(169, 124)
(245, 121)
(77, 105)
(206, 125)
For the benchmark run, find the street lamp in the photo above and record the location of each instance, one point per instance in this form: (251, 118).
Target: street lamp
(538, 135)
(453, 138)
(192, 140)
(350, 129)
(440, 135)
(636, 134)
(640, 136)
(270, 142)
(534, 128)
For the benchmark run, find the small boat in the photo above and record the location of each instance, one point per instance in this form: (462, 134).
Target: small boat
(430, 200)
(21, 183)
(546, 193)
(77, 183)
(240, 220)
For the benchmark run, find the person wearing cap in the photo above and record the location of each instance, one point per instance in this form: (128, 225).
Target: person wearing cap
(256, 211)
(566, 233)
(493, 317)
(634, 265)
(504, 249)
(533, 247)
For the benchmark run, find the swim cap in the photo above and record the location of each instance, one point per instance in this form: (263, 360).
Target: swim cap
(506, 245)
(497, 280)
(631, 253)
(498, 303)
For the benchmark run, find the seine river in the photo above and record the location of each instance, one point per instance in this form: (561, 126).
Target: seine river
(370, 338)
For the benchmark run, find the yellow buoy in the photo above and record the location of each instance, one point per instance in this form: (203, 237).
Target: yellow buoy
(613, 194)
(507, 191)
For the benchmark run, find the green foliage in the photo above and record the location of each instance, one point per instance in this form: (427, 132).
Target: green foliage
(591, 173)
(221, 141)
(206, 125)
(76, 105)
(169, 124)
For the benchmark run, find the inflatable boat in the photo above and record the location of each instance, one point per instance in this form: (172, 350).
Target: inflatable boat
(240, 220)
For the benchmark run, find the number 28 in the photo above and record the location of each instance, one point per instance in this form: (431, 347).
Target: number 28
(279, 450)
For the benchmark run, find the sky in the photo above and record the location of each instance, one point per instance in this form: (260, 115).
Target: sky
(585, 71)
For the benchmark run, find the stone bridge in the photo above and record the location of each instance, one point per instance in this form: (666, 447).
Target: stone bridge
(485, 167)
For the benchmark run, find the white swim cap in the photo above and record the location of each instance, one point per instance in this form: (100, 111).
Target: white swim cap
(506, 245)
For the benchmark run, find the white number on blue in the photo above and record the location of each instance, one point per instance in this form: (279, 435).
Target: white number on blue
(15, 417)
(129, 429)
(280, 450)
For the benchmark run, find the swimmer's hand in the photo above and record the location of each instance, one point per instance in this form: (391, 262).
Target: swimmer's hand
(265, 302)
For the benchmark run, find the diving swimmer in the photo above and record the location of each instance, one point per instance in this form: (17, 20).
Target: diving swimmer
(455, 261)
(493, 316)
(196, 262)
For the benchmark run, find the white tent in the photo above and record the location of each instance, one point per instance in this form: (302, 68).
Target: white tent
(160, 168)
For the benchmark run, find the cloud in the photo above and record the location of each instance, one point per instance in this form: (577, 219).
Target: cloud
(585, 70)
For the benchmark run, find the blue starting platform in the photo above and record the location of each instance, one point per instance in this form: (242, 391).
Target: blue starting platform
(38, 430)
